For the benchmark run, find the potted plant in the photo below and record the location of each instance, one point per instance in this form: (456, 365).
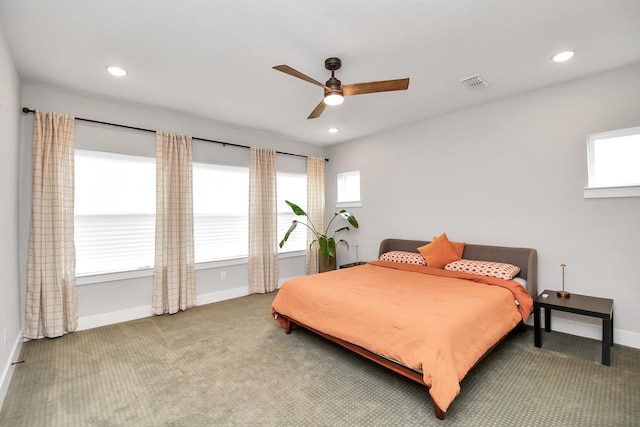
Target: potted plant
(326, 243)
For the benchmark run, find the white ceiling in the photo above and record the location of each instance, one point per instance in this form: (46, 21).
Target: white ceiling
(213, 58)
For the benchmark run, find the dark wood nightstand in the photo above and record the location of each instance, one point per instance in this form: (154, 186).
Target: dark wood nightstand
(579, 304)
(353, 264)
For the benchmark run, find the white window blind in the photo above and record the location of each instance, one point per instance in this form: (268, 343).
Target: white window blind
(220, 211)
(292, 187)
(114, 212)
(221, 205)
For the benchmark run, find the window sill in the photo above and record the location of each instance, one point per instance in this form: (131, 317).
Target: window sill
(148, 272)
(354, 204)
(113, 277)
(611, 192)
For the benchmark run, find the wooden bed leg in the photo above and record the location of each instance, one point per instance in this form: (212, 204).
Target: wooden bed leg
(287, 329)
(439, 412)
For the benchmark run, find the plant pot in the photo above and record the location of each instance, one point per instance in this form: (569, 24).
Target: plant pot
(323, 266)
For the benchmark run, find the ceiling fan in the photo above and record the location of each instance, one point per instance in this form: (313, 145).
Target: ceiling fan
(335, 91)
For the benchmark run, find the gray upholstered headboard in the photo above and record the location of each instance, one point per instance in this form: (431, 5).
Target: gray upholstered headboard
(525, 258)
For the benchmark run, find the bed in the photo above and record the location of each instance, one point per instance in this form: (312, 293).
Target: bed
(431, 325)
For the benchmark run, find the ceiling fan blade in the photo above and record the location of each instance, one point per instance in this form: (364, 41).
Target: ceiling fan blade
(318, 110)
(295, 73)
(372, 87)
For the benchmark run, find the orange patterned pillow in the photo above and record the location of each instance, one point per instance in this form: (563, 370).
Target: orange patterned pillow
(439, 252)
(404, 257)
(500, 270)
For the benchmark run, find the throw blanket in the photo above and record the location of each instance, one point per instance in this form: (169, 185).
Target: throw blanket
(431, 321)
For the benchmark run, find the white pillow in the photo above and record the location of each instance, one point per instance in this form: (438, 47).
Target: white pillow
(521, 281)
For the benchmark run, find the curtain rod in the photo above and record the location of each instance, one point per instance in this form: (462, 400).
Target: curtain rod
(224, 144)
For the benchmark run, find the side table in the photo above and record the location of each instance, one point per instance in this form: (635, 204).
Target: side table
(579, 304)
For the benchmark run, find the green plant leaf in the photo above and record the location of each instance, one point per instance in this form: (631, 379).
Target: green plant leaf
(326, 244)
(296, 209)
(349, 217)
(343, 241)
(331, 245)
(340, 229)
(324, 247)
(293, 226)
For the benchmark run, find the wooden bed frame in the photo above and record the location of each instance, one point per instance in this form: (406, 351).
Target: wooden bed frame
(524, 258)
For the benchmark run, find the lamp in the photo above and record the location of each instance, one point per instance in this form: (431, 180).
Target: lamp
(333, 97)
(333, 90)
(563, 293)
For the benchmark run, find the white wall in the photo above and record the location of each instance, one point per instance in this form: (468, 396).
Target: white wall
(507, 173)
(10, 326)
(511, 173)
(113, 301)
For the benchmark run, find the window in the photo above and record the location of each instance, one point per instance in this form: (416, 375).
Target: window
(115, 204)
(614, 164)
(292, 187)
(221, 206)
(220, 211)
(115, 211)
(349, 189)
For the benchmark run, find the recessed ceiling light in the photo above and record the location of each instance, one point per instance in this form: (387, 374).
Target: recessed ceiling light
(116, 71)
(563, 56)
(333, 130)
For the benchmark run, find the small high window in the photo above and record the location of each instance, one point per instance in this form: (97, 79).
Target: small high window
(614, 164)
(349, 189)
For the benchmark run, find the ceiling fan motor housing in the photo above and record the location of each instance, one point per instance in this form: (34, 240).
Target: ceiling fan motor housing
(334, 84)
(332, 64)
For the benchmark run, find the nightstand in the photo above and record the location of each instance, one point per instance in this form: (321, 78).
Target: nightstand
(579, 304)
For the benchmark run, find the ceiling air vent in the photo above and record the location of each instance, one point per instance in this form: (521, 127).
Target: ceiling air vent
(475, 82)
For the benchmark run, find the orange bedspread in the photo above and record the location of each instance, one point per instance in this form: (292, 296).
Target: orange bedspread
(437, 323)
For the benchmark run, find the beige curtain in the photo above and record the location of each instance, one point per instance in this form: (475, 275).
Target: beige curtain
(315, 208)
(174, 283)
(263, 222)
(52, 302)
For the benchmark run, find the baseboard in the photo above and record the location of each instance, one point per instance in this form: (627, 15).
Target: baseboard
(222, 295)
(95, 321)
(112, 317)
(7, 371)
(626, 338)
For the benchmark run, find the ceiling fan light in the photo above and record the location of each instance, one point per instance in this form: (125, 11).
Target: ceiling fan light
(333, 99)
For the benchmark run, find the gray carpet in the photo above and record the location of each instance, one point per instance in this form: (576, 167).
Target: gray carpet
(229, 363)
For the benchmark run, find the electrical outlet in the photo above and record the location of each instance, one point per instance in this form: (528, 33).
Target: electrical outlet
(223, 275)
